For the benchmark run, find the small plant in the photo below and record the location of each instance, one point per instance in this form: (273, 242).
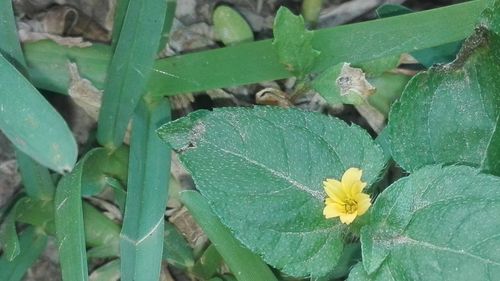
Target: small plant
(281, 193)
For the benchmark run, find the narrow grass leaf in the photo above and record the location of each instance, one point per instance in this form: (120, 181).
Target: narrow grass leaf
(130, 68)
(32, 245)
(141, 239)
(69, 223)
(37, 181)
(9, 45)
(258, 61)
(245, 265)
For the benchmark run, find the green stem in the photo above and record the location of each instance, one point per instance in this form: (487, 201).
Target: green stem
(244, 264)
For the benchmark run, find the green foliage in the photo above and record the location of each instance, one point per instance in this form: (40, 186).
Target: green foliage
(436, 222)
(40, 132)
(230, 27)
(130, 68)
(454, 111)
(141, 238)
(32, 244)
(293, 43)
(176, 250)
(69, 224)
(275, 179)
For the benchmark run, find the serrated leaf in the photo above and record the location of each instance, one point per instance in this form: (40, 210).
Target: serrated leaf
(262, 170)
(293, 43)
(450, 114)
(437, 224)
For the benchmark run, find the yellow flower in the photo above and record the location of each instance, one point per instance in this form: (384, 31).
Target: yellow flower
(346, 199)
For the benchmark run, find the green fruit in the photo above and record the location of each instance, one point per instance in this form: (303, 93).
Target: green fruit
(230, 27)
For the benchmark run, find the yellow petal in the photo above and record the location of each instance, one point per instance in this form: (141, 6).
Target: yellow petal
(331, 211)
(347, 218)
(356, 188)
(363, 203)
(333, 189)
(351, 176)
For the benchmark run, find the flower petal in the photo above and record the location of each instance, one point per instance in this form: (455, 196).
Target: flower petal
(331, 211)
(333, 189)
(347, 218)
(363, 207)
(356, 188)
(351, 176)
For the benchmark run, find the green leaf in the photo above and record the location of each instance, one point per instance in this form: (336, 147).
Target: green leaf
(262, 171)
(32, 124)
(9, 45)
(342, 83)
(440, 54)
(69, 223)
(437, 224)
(32, 245)
(8, 236)
(176, 250)
(450, 114)
(258, 61)
(141, 238)
(108, 272)
(130, 68)
(37, 181)
(293, 43)
(103, 165)
(230, 27)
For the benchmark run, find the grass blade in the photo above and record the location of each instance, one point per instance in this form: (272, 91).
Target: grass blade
(9, 45)
(245, 265)
(26, 118)
(37, 180)
(142, 233)
(32, 245)
(257, 61)
(130, 68)
(69, 223)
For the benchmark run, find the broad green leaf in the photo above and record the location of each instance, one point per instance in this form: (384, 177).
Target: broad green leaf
(450, 114)
(293, 43)
(130, 68)
(32, 124)
(262, 171)
(244, 264)
(32, 245)
(440, 223)
(141, 238)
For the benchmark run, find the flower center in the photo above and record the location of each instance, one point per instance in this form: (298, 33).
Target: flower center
(350, 206)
